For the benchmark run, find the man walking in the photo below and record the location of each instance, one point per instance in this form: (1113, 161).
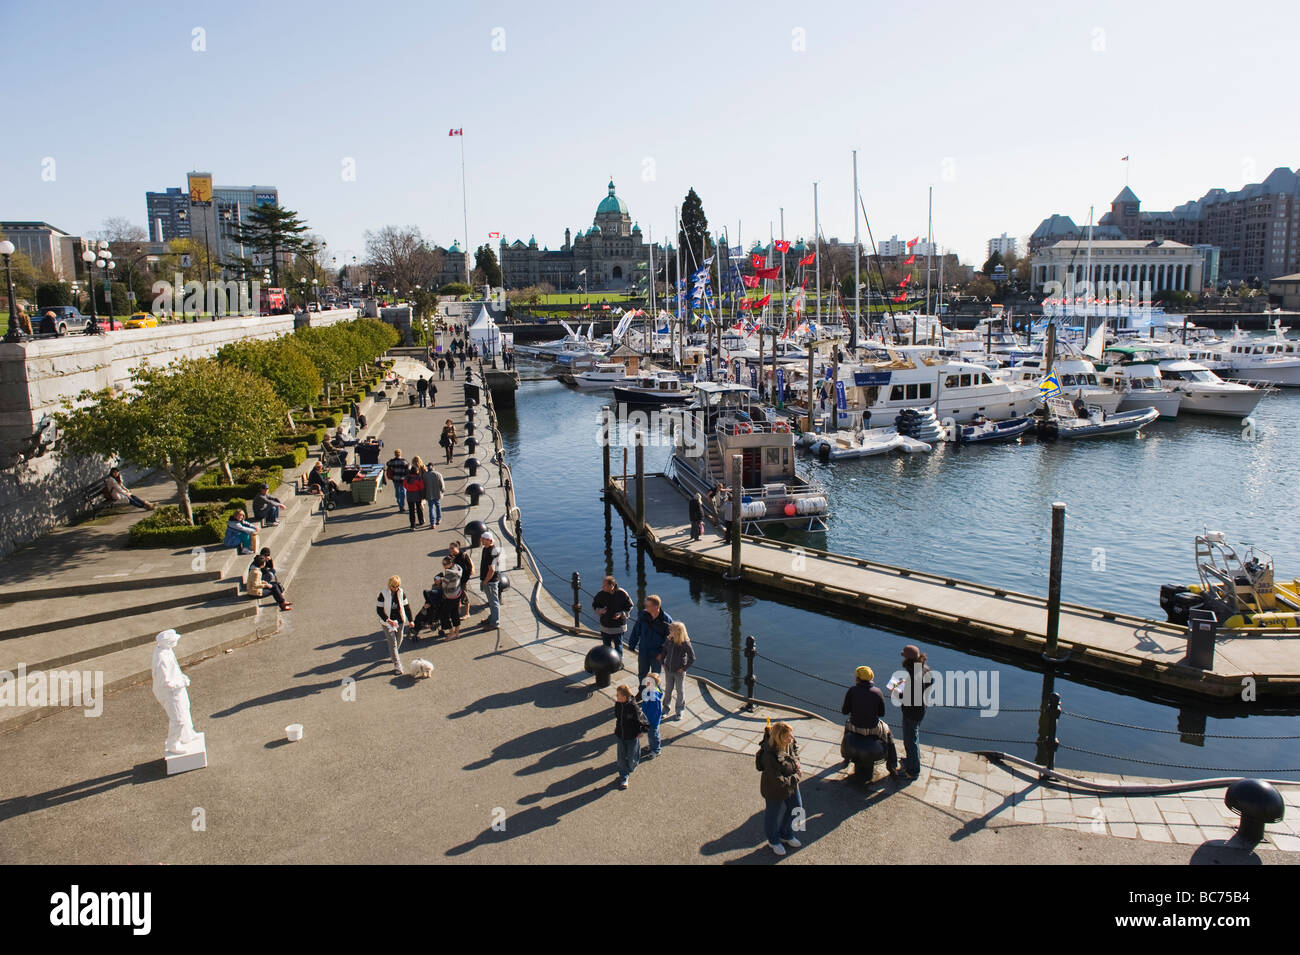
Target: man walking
(613, 605)
(648, 636)
(397, 468)
(490, 580)
(422, 391)
(434, 485)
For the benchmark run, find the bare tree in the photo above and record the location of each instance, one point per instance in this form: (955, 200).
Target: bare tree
(401, 259)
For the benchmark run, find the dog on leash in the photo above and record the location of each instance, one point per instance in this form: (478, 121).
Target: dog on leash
(421, 669)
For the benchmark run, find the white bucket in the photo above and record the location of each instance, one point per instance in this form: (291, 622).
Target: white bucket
(293, 732)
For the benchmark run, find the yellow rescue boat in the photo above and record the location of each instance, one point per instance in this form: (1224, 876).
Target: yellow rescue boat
(1241, 593)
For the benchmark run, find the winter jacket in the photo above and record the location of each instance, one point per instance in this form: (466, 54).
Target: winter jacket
(433, 485)
(397, 468)
(451, 582)
(696, 512)
(678, 656)
(649, 634)
(865, 705)
(780, 771)
(652, 705)
(629, 721)
(613, 609)
(414, 483)
(919, 680)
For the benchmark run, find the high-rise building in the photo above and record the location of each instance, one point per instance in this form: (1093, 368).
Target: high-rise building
(1002, 245)
(46, 246)
(164, 211)
(173, 216)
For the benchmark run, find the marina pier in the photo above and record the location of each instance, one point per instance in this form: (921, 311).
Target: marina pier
(1110, 644)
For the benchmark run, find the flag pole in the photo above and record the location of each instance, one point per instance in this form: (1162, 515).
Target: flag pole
(857, 261)
(817, 246)
(677, 218)
(464, 201)
(785, 318)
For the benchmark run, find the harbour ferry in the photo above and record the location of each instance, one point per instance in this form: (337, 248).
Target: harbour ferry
(723, 422)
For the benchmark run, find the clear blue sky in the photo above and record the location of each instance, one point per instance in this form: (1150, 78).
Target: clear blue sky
(1011, 110)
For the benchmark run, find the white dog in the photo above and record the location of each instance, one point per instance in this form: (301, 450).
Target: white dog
(421, 669)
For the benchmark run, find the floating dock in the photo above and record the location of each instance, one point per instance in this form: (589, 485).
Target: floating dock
(1118, 645)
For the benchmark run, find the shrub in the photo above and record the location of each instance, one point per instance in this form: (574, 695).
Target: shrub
(285, 456)
(166, 527)
(210, 486)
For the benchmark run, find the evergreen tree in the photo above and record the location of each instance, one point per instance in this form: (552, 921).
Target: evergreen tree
(694, 239)
(485, 260)
(269, 230)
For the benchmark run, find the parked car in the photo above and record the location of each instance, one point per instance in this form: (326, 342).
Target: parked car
(67, 318)
(141, 320)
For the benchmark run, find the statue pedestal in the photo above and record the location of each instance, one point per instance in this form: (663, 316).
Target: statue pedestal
(195, 756)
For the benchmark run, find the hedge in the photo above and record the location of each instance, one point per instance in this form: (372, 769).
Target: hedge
(288, 456)
(312, 435)
(166, 526)
(330, 420)
(248, 481)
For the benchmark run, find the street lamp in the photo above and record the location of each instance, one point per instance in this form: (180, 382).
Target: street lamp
(88, 256)
(14, 334)
(105, 262)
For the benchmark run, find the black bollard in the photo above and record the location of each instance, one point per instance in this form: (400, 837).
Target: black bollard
(469, 426)
(576, 582)
(475, 491)
(469, 413)
(751, 651)
(471, 445)
(1258, 803)
(602, 662)
(519, 543)
(471, 466)
(474, 531)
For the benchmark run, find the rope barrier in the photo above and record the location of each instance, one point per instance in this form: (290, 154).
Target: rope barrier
(1152, 729)
(1154, 762)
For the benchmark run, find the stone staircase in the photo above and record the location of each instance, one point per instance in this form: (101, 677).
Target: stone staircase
(98, 611)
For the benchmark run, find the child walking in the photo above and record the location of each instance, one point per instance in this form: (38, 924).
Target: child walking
(653, 707)
(629, 724)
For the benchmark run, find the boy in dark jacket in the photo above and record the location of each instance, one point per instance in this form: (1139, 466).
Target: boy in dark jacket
(629, 724)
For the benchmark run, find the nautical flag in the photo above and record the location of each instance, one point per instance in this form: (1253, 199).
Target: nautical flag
(456, 132)
(782, 245)
(910, 259)
(808, 259)
(750, 281)
(771, 273)
(758, 260)
(1049, 387)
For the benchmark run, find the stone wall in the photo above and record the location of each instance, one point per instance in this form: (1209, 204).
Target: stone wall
(35, 376)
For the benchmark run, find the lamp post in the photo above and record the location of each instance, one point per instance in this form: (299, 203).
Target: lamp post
(88, 256)
(13, 334)
(105, 262)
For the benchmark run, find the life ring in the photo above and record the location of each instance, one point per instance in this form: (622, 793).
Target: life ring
(781, 427)
(743, 427)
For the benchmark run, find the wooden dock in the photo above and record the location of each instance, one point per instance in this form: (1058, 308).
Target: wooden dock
(1116, 645)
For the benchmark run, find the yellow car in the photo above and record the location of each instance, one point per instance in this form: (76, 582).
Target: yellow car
(141, 320)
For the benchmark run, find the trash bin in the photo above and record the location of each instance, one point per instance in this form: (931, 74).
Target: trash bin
(1202, 628)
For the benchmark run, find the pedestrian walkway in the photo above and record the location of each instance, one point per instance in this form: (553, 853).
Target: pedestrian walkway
(505, 755)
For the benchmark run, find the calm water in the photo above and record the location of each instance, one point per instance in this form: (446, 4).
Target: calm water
(1134, 506)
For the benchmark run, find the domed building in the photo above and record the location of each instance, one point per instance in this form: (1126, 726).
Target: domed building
(612, 252)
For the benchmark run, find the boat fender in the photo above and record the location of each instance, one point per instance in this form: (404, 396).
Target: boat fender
(781, 427)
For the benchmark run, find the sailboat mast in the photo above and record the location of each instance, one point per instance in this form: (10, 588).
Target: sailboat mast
(785, 318)
(677, 218)
(929, 257)
(1087, 304)
(817, 259)
(857, 260)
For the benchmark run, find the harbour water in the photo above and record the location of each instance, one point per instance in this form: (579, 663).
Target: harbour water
(981, 513)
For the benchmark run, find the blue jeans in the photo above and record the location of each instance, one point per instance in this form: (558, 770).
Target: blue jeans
(271, 514)
(644, 664)
(778, 818)
(400, 493)
(629, 754)
(435, 510)
(424, 398)
(492, 590)
(911, 747)
(614, 640)
(653, 733)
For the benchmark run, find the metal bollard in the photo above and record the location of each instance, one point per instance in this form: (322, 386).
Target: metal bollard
(471, 466)
(519, 543)
(751, 651)
(577, 601)
(1048, 743)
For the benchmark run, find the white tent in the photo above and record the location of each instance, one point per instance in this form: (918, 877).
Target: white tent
(484, 333)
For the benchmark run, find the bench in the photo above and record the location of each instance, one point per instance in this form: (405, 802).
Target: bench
(93, 498)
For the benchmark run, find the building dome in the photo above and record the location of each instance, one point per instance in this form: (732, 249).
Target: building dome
(455, 248)
(636, 228)
(611, 203)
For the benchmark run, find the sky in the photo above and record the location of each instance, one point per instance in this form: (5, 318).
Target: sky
(1010, 111)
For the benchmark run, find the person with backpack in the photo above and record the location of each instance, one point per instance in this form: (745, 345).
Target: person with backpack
(613, 604)
(452, 584)
(413, 484)
(778, 760)
(629, 724)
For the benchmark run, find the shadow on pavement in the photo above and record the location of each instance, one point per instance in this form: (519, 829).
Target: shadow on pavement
(139, 774)
(532, 819)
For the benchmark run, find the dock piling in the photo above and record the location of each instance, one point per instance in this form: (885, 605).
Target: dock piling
(640, 486)
(1054, 584)
(751, 651)
(737, 466)
(604, 487)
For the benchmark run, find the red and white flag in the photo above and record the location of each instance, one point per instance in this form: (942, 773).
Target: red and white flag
(749, 281)
(782, 245)
(758, 260)
(585, 307)
(494, 235)
(456, 132)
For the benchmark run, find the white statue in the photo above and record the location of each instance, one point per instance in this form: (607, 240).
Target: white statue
(169, 688)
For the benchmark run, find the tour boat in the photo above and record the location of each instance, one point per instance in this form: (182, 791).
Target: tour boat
(723, 422)
(1242, 594)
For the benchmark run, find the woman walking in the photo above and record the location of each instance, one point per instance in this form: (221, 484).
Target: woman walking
(778, 758)
(679, 654)
(414, 485)
(448, 439)
(395, 612)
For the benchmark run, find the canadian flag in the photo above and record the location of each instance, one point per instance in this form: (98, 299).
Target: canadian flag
(585, 307)
(494, 235)
(456, 132)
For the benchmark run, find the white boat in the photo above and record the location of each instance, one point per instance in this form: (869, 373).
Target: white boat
(856, 444)
(1204, 392)
(1077, 377)
(654, 388)
(1269, 361)
(600, 375)
(721, 423)
(1140, 386)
